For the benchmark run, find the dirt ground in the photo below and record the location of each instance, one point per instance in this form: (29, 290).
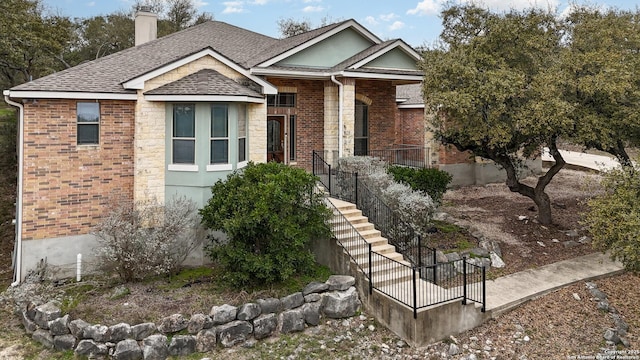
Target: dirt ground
(557, 325)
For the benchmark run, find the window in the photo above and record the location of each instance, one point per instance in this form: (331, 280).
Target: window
(361, 138)
(219, 135)
(282, 100)
(242, 134)
(88, 122)
(292, 137)
(184, 134)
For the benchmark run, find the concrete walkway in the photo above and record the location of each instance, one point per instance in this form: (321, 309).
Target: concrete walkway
(584, 160)
(512, 290)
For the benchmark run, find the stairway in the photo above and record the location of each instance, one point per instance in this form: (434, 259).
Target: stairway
(391, 274)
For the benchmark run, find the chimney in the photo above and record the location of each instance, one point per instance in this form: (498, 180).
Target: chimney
(146, 24)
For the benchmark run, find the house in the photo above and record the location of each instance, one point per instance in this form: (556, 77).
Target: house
(173, 115)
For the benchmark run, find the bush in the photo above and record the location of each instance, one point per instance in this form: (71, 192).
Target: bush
(146, 238)
(430, 181)
(269, 213)
(614, 217)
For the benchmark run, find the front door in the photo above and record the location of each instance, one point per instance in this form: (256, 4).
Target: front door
(275, 138)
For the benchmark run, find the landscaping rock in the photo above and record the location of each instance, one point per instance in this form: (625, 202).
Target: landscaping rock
(313, 297)
(341, 304)
(452, 256)
(172, 324)
(127, 350)
(43, 337)
(311, 313)
(441, 257)
(264, 325)
(64, 342)
(496, 261)
(315, 287)
(612, 335)
(603, 305)
(234, 332)
(292, 301)
(45, 313)
(143, 330)
(90, 348)
(248, 311)
(570, 244)
(340, 282)
(29, 325)
(119, 332)
(206, 340)
(620, 324)
(119, 292)
(155, 347)
(445, 271)
(596, 293)
(291, 321)
(453, 349)
(31, 310)
(223, 314)
(76, 328)
(199, 322)
(182, 345)
(572, 233)
(584, 240)
(99, 333)
(480, 252)
(270, 305)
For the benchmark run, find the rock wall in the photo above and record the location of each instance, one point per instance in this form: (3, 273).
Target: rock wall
(224, 326)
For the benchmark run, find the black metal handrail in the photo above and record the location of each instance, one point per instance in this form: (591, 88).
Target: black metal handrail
(406, 155)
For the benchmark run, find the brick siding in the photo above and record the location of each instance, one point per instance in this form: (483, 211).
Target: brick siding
(382, 112)
(410, 126)
(67, 187)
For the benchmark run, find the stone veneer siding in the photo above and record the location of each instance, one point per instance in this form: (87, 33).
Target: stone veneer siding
(67, 187)
(150, 129)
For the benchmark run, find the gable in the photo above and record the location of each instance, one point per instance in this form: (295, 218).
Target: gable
(331, 51)
(394, 59)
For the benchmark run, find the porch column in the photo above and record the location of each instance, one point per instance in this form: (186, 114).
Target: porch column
(331, 111)
(348, 116)
(257, 119)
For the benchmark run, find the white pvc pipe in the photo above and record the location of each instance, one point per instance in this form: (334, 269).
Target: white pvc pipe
(17, 271)
(340, 130)
(78, 267)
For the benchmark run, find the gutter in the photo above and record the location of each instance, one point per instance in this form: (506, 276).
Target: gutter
(17, 271)
(340, 106)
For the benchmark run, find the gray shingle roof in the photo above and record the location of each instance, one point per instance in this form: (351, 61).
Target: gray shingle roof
(412, 92)
(204, 82)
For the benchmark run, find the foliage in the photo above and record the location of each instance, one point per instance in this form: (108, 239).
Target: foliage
(270, 213)
(102, 35)
(494, 84)
(291, 27)
(146, 238)
(432, 181)
(614, 217)
(8, 162)
(32, 43)
(602, 64)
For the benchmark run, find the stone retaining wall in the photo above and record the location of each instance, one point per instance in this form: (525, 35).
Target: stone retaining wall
(225, 325)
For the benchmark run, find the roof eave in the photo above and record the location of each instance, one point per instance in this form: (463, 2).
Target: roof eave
(207, 98)
(37, 94)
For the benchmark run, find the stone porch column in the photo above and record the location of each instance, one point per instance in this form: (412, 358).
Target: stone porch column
(331, 111)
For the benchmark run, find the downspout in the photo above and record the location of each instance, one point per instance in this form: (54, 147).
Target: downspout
(340, 130)
(17, 273)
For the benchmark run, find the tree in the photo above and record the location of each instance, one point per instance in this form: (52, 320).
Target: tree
(32, 44)
(614, 217)
(602, 65)
(103, 35)
(495, 85)
(270, 213)
(290, 27)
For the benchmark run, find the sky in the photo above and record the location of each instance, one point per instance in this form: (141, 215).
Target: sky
(415, 21)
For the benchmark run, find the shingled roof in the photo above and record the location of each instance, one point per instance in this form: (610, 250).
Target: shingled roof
(205, 82)
(240, 46)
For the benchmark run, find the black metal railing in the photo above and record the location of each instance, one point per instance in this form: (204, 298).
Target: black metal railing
(322, 170)
(405, 155)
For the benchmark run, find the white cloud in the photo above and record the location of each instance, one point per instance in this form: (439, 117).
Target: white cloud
(199, 3)
(260, 2)
(233, 7)
(313, 9)
(91, 3)
(388, 17)
(310, 1)
(397, 25)
(370, 20)
(426, 7)
(505, 5)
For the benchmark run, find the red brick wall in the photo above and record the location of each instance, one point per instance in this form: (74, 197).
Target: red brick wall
(309, 113)
(410, 126)
(382, 112)
(66, 187)
(449, 154)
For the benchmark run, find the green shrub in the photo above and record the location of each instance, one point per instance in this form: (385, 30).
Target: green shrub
(433, 182)
(269, 213)
(614, 217)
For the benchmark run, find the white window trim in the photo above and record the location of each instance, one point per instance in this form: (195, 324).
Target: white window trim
(243, 164)
(215, 167)
(219, 167)
(81, 123)
(183, 167)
